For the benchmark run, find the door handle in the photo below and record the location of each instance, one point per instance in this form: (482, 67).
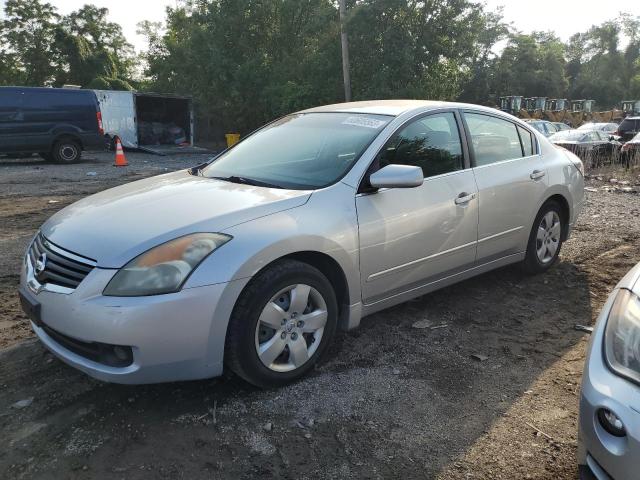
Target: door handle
(537, 174)
(464, 198)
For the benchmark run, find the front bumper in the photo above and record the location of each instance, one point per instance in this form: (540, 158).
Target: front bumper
(600, 454)
(178, 336)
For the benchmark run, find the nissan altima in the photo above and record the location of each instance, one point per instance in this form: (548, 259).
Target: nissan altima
(609, 422)
(253, 260)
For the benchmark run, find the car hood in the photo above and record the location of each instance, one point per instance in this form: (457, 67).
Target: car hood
(114, 226)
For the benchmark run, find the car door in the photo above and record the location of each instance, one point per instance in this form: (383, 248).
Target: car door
(11, 138)
(511, 181)
(411, 236)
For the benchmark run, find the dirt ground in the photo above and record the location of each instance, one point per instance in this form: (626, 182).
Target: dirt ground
(391, 401)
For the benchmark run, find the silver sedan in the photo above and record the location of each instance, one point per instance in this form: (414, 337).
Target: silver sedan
(254, 260)
(609, 445)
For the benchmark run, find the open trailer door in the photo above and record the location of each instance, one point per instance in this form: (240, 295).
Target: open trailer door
(165, 124)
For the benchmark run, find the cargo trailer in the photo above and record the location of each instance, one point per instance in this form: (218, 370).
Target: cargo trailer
(153, 122)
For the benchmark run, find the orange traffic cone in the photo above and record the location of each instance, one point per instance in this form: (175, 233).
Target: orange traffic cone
(121, 160)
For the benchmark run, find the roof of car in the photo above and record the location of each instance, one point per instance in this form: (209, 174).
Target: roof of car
(391, 107)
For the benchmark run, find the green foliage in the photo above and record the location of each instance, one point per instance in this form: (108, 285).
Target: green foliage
(106, 83)
(248, 61)
(39, 47)
(26, 37)
(532, 64)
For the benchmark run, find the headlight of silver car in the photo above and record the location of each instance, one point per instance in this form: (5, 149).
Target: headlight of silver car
(622, 336)
(164, 268)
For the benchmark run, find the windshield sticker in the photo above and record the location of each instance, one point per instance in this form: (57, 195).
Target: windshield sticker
(364, 122)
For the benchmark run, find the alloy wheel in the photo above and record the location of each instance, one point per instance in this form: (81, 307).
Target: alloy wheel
(548, 237)
(290, 328)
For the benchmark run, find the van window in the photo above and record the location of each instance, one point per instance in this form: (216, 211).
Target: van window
(431, 143)
(493, 139)
(37, 99)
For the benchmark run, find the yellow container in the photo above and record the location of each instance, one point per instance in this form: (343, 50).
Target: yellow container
(232, 139)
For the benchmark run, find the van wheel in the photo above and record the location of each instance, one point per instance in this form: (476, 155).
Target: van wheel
(282, 324)
(545, 240)
(66, 151)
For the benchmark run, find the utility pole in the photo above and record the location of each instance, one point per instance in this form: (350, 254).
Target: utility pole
(345, 51)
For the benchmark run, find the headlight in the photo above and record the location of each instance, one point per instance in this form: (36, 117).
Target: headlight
(622, 336)
(164, 268)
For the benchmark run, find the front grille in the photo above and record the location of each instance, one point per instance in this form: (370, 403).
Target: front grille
(61, 267)
(111, 355)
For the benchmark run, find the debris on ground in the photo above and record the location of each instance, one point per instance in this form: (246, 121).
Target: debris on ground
(20, 404)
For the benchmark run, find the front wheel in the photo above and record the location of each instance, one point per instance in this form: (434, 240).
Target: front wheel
(281, 325)
(545, 240)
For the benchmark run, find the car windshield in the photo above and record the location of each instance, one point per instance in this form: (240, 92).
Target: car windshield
(571, 135)
(304, 151)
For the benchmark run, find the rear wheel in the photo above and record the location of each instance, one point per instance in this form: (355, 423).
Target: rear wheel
(545, 240)
(281, 325)
(66, 151)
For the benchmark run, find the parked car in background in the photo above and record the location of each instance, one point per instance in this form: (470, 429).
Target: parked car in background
(56, 123)
(561, 126)
(628, 128)
(594, 147)
(310, 223)
(608, 128)
(609, 418)
(544, 127)
(630, 151)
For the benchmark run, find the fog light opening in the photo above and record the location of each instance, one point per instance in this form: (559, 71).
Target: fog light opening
(121, 353)
(611, 423)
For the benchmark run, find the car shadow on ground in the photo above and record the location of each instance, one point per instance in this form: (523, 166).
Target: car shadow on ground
(403, 396)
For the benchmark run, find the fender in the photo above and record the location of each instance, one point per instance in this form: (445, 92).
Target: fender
(319, 227)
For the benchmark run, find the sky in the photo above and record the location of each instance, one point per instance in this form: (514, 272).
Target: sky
(564, 17)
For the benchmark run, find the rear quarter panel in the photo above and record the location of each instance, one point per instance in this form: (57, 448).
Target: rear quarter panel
(563, 178)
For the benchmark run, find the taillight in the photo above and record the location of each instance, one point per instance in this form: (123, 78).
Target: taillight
(99, 118)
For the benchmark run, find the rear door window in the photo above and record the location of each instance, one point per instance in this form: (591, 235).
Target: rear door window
(493, 139)
(528, 145)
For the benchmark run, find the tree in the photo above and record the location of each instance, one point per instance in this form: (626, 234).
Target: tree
(26, 37)
(532, 65)
(38, 47)
(92, 47)
(248, 61)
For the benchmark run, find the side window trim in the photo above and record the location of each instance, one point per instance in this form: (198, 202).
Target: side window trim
(467, 131)
(466, 152)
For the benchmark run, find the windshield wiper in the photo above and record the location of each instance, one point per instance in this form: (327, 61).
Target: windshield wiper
(247, 181)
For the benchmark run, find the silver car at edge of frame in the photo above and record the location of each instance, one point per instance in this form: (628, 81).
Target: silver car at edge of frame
(254, 260)
(609, 421)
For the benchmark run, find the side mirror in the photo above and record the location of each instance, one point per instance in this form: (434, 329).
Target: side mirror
(397, 176)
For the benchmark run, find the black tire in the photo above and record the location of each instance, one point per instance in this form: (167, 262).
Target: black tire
(240, 345)
(66, 150)
(532, 264)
